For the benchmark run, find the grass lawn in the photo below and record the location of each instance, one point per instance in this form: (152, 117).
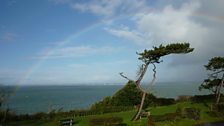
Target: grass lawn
(84, 121)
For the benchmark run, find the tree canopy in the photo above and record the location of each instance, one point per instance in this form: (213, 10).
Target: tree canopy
(215, 78)
(154, 55)
(215, 64)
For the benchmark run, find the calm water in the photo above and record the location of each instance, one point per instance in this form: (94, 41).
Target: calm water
(32, 99)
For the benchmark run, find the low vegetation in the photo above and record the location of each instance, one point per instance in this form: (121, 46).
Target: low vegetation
(118, 109)
(129, 97)
(180, 114)
(163, 112)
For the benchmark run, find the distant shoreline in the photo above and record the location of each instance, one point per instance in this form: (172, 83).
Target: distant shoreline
(32, 99)
(106, 83)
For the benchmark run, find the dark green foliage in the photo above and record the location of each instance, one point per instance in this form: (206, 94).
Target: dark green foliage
(169, 116)
(217, 110)
(183, 98)
(215, 114)
(102, 105)
(154, 55)
(129, 96)
(215, 81)
(210, 84)
(179, 111)
(191, 113)
(220, 107)
(166, 117)
(203, 98)
(110, 121)
(150, 122)
(215, 64)
(164, 101)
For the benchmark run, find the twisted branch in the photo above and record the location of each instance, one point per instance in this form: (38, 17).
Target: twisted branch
(152, 81)
(122, 75)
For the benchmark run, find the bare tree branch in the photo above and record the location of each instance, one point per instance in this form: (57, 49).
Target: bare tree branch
(217, 72)
(125, 76)
(152, 81)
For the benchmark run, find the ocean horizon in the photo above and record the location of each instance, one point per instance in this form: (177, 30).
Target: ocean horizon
(29, 99)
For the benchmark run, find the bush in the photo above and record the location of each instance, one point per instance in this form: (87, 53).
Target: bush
(169, 116)
(166, 117)
(183, 98)
(203, 98)
(150, 122)
(219, 107)
(217, 110)
(111, 121)
(129, 96)
(191, 113)
(119, 124)
(214, 114)
(165, 101)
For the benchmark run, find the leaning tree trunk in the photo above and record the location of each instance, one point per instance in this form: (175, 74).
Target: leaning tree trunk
(219, 90)
(138, 113)
(138, 85)
(138, 82)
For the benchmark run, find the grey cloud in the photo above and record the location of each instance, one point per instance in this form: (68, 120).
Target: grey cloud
(178, 25)
(188, 22)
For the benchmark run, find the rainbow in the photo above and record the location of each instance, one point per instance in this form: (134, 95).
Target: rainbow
(69, 39)
(86, 29)
(217, 19)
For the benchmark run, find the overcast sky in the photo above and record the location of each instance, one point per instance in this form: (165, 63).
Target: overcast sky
(91, 41)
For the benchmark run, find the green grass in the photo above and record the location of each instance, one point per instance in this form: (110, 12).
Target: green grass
(84, 121)
(33, 123)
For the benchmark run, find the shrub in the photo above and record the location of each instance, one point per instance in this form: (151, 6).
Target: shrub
(150, 122)
(203, 98)
(191, 113)
(214, 114)
(183, 98)
(217, 110)
(219, 107)
(110, 121)
(166, 117)
(165, 101)
(128, 96)
(179, 110)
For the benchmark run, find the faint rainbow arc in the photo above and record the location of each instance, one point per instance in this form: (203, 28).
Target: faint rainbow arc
(51, 51)
(219, 19)
(76, 34)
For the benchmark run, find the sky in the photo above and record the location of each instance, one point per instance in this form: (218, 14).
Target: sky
(59, 42)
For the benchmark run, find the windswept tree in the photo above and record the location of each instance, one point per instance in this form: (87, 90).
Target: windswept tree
(152, 57)
(215, 79)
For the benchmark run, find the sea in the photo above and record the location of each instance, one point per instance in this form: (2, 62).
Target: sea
(34, 99)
